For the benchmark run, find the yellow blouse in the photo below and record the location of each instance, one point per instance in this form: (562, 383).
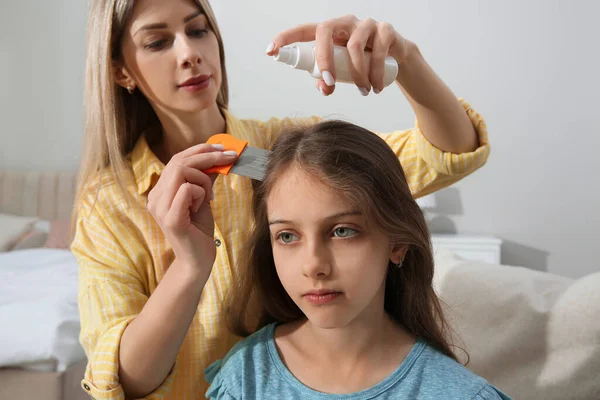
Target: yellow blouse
(123, 254)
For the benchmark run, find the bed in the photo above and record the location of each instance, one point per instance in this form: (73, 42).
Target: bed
(533, 334)
(44, 362)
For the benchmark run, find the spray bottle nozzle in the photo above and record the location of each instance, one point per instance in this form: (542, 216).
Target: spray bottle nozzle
(287, 55)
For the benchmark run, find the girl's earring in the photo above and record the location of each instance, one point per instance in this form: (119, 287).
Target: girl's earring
(130, 89)
(399, 265)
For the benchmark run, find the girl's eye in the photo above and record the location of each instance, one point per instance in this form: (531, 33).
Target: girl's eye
(287, 237)
(344, 232)
(156, 45)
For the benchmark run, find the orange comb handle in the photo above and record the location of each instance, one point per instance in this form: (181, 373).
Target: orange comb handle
(230, 143)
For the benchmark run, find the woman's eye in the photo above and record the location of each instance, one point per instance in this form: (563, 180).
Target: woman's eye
(156, 45)
(287, 237)
(344, 232)
(198, 32)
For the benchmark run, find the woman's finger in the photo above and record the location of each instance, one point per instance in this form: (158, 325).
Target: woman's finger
(381, 47)
(199, 149)
(160, 198)
(323, 88)
(173, 165)
(300, 33)
(324, 51)
(324, 40)
(179, 215)
(197, 177)
(357, 44)
(206, 160)
(187, 175)
(203, 219)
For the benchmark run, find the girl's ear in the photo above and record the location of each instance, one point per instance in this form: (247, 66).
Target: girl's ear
(122, 76)
(398, 252)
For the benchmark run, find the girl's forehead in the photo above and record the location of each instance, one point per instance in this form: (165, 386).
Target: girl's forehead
(297, 192)
(293, 180)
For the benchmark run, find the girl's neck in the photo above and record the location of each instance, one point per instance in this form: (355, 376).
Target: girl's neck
(183, 131)
(356, 341)
(343, 360)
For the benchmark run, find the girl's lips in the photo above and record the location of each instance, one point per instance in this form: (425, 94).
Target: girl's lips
(321, 298)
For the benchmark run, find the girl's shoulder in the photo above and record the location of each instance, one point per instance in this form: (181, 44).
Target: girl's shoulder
(249, 358)
(437, 373)
(243, 354)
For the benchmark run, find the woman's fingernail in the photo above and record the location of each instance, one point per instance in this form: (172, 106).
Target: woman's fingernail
(328, 78)
(230, 153)
(270, 48)
(218, 147)
(376, 91)
(363, 91)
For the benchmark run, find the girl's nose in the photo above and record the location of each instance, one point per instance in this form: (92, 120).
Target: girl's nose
(317, 263)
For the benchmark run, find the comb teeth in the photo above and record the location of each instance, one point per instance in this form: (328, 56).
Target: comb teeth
(251, 163)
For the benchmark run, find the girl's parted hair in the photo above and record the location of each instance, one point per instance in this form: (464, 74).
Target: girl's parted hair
(360, 166)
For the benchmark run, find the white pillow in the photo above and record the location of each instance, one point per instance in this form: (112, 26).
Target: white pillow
(12, 227)
(533, 334)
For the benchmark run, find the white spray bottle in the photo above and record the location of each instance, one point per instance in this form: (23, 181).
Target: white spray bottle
(304, 58)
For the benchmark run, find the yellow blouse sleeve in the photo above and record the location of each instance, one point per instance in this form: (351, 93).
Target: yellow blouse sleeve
(111, 294)
(428, 168)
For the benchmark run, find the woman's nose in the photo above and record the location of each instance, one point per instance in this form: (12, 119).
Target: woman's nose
(189, 56)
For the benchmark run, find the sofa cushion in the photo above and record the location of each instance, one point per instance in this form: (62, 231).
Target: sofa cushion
(534, 335)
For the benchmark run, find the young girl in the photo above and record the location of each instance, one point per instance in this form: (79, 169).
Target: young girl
(155, 253)
(339, 292)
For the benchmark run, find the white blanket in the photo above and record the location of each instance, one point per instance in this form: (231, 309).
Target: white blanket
(38, 308)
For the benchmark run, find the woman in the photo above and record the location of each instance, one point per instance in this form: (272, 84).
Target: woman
(156, 255)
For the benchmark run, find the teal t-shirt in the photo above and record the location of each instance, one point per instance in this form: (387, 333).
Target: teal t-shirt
(254, 370)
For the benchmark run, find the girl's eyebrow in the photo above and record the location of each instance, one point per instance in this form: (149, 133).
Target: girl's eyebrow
(333, 216)
(162, 25)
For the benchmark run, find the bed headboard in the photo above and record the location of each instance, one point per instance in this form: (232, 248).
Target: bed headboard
(47, 195)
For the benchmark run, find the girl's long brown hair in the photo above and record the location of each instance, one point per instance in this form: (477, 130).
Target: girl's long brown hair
(360, 166)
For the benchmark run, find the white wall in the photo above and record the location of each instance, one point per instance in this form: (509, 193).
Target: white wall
(41, 83)
(531, 68)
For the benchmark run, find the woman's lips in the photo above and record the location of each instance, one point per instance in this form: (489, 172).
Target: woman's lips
(196, 84)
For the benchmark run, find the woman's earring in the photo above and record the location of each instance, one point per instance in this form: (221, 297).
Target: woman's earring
(399, 265)
(130, 89)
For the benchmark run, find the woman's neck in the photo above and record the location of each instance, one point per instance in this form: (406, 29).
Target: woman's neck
(181, 132)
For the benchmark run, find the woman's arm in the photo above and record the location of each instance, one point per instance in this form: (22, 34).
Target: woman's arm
(150, 343)
(112, 295)
(442, 118)
(132, 337)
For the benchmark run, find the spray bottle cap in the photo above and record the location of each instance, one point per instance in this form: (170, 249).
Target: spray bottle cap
(296, 57)
(287, 55)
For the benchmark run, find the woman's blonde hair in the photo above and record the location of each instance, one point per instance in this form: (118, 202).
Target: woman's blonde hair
(114, 120)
